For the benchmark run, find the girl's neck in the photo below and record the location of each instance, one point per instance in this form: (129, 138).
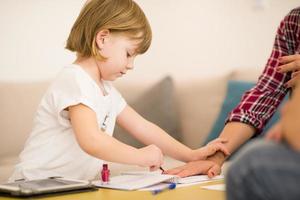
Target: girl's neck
(90, 66)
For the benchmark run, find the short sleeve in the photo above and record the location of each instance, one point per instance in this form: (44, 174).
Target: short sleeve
(120, 102)
(72, 88)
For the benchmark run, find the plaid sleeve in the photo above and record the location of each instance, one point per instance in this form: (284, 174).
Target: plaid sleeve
(259, 103)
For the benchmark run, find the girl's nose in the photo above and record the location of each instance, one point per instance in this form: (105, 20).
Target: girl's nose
(130, 65)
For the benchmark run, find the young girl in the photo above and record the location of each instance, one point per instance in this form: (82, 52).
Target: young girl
(76, 117)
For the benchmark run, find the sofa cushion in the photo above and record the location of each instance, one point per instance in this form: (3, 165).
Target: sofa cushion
(156, 104)
(235, 90)
(199, 100)
(7, 166)
(19, 101)
(18, 104)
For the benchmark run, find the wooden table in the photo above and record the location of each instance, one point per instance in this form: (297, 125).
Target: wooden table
(184, 193)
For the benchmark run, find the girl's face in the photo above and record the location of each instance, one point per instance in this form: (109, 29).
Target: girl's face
(120, 53)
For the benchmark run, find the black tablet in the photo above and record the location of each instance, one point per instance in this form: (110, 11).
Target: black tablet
(43, 186)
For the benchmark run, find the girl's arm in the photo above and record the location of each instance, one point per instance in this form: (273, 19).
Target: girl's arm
(149, 133)
(98, 144)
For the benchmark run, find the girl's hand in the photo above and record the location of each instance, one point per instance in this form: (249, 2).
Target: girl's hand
(210, 149)
(150, 156)
(275, 133)
(290, 64)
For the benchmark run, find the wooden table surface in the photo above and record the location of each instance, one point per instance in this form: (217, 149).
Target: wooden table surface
(184, 193)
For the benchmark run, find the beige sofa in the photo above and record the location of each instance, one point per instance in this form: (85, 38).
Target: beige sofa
(186, 106)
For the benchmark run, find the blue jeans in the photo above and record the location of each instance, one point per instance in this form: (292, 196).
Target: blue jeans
(264, 170)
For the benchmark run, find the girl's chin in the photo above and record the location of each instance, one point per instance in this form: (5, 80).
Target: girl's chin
(113, 78)
(118, 75)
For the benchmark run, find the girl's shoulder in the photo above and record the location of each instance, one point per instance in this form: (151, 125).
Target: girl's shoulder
(73, 78)
(73, 74)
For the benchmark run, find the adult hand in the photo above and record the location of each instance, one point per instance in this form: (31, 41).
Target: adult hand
(290, 64)
(196, 167)
(275, 133)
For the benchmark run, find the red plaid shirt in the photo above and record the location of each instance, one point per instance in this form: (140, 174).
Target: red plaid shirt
(259, 103)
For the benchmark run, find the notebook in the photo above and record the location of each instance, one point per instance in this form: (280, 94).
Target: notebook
(198, 179)
(26, 188)
(218, 187)
(135, 181)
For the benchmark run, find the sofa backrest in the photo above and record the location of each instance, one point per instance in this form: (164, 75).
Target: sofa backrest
(18, 104)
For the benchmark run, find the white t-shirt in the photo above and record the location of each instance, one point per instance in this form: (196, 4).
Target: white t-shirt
(52, 149)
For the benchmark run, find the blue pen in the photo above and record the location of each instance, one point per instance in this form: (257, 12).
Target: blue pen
(171, 186)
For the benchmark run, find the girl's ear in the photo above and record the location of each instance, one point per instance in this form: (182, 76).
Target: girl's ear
(101, 37)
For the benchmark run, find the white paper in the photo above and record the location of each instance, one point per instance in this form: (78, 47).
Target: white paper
(184, 182)
(159, 186)
(218, 187)
(157, 172)
(145, 180)
(198, 179)
(134, 182)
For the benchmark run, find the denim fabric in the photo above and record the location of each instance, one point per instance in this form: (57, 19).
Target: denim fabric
(264, 170)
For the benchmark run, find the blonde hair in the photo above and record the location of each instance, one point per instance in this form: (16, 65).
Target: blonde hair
(118, 16)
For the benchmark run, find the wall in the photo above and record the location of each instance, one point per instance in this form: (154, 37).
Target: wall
(191, 36)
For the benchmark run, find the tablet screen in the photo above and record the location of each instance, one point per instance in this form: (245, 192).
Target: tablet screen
(44, 186)
(44, 183)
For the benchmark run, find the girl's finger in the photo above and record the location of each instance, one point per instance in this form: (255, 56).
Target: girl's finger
(221, 147)
(154, 168)
(211, 149)
(220, 140)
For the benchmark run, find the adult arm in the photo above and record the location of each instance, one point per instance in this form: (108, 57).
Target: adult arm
(259, 103)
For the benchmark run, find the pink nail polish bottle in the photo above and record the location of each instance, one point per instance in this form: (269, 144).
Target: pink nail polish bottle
(105, 174)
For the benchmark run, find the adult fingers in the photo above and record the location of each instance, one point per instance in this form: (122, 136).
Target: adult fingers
(290, 58)
(214, 171)
(200, 167)
(278, 137)
(289, 67)
(292, 82)
(187, 172)
(174, 171)
(275, 133)
(274, 136)
(296, 73)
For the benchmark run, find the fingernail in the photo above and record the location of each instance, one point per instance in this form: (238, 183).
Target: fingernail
(278, 69)
(286, 85)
